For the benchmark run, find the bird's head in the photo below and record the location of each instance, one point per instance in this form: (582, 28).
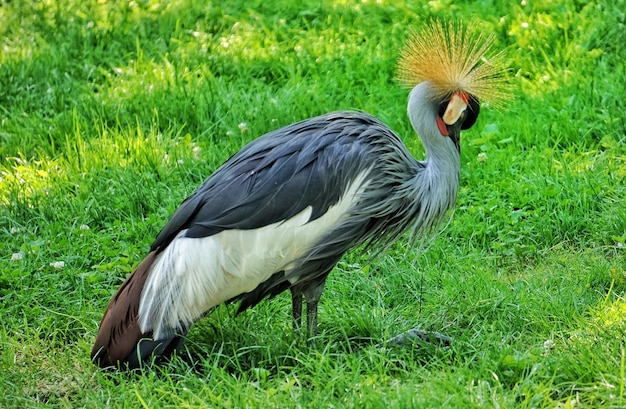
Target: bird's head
(449, 70)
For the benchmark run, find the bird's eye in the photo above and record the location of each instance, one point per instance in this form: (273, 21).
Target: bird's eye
(442, 107)
(471, 114)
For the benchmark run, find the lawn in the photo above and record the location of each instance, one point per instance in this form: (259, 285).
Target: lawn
(111, 113)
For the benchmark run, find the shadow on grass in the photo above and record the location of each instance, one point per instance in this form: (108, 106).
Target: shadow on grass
(253, 356)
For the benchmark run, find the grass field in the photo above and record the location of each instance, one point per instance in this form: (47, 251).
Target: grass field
(112, 112)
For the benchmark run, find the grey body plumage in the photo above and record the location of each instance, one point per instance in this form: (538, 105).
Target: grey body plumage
(312, 163)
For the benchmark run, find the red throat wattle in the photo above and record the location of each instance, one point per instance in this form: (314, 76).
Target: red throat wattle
(442, 126)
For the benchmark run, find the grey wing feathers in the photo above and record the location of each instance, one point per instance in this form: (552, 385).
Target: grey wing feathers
(275, 177)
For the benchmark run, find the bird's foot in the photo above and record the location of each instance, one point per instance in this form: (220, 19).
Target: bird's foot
(413, 336)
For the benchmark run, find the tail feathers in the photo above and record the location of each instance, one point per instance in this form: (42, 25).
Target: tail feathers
(120, 342)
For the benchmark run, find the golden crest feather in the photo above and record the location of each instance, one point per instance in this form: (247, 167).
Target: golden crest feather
(454, 59)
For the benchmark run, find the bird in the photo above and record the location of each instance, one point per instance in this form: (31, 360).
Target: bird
(280, 213)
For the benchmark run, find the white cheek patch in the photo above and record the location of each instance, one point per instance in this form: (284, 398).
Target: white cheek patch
(456, 107)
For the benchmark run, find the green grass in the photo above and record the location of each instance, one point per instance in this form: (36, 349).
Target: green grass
(112, 112)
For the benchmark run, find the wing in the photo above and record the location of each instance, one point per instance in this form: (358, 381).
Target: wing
(275, 177)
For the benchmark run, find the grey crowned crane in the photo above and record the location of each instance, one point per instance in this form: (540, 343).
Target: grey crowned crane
(282, 211)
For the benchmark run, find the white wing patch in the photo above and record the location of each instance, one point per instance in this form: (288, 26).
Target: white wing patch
(193, 275)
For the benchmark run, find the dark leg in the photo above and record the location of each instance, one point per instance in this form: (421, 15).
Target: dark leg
(312, 292)
(312, 295)
(296, 308)
(311, 318)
